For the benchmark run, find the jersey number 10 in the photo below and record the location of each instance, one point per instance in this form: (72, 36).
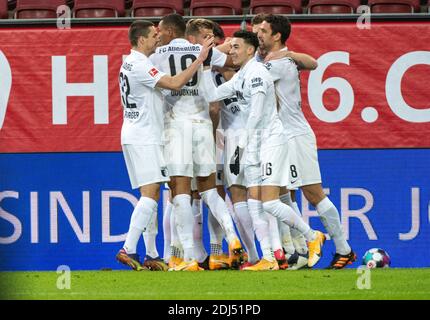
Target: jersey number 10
(184, 58)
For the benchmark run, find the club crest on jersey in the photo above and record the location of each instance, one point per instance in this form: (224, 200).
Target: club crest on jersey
(153, 72)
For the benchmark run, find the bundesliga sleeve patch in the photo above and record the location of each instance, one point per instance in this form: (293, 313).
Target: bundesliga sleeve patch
(153, 72)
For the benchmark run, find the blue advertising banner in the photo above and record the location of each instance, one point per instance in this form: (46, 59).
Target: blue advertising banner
(74, 208)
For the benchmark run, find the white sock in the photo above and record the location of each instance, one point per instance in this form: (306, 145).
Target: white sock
(299, 241)
(300, 244)
(184, 223)
(150, 245)
(166, 230)
(261, 227)
(287, 215)
(174, 237)
(140, 219)
(199, 249)
(246, 231)
(216, 233)
(331, 221)
(287, 241)
(149, 237)
(275, 237)
(220, 211)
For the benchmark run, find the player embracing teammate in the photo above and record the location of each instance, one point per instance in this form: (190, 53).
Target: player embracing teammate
(269, 150)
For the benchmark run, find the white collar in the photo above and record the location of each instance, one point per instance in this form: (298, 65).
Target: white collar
(137, 53)
(179, 40)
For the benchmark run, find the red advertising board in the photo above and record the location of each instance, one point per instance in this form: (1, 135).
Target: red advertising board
(59, 88)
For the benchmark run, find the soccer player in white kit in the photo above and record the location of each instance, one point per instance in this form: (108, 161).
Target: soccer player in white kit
(190, 145)
(262, 146)
(295, 248)
(232, 125)
(302, 158)
(142, 129)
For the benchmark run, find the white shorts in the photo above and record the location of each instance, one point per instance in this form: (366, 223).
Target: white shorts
(189, 149)
(274, 166)
(252, 175)
(302, 158)
(145, 164)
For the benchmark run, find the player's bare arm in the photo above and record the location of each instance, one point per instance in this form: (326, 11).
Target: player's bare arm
(178, 81)
(225, 46)
(213, 93)
(227, 73)
(303, 60)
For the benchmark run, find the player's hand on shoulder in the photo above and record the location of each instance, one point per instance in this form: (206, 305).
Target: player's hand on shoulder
(278, 55)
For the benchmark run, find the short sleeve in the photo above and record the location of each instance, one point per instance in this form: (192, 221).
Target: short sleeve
(218, 58)
(149, 75)
(275, 69)
(258, 82)
(280, 67)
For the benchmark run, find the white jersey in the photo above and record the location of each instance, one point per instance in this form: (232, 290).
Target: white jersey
(230, 117)
(142, 102)
(251, 79)
(287, 84)
(189, 102)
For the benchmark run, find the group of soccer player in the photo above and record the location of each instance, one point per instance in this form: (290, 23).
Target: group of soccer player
(206, 117)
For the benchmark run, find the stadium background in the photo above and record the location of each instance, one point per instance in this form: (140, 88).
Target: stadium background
(65, 197)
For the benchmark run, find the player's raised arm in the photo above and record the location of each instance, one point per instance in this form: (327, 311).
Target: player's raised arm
(212, 92)
(303, 60)
(225, 48)
(178, 81)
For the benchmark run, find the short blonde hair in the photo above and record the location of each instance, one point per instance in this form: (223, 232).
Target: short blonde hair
(194, 26)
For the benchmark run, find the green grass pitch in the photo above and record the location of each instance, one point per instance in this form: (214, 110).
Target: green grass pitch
(219, 285)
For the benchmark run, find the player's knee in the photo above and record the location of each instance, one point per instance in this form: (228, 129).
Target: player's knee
(238, 194)
(314, 196)
(271, 207)
(221, 191)
(150, 191)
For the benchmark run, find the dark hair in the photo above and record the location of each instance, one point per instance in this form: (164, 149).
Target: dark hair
(218, 31)
(247, 36)
(176, 22)
(138, 29)
(194, 26)
(259, 18)
(279, 24)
